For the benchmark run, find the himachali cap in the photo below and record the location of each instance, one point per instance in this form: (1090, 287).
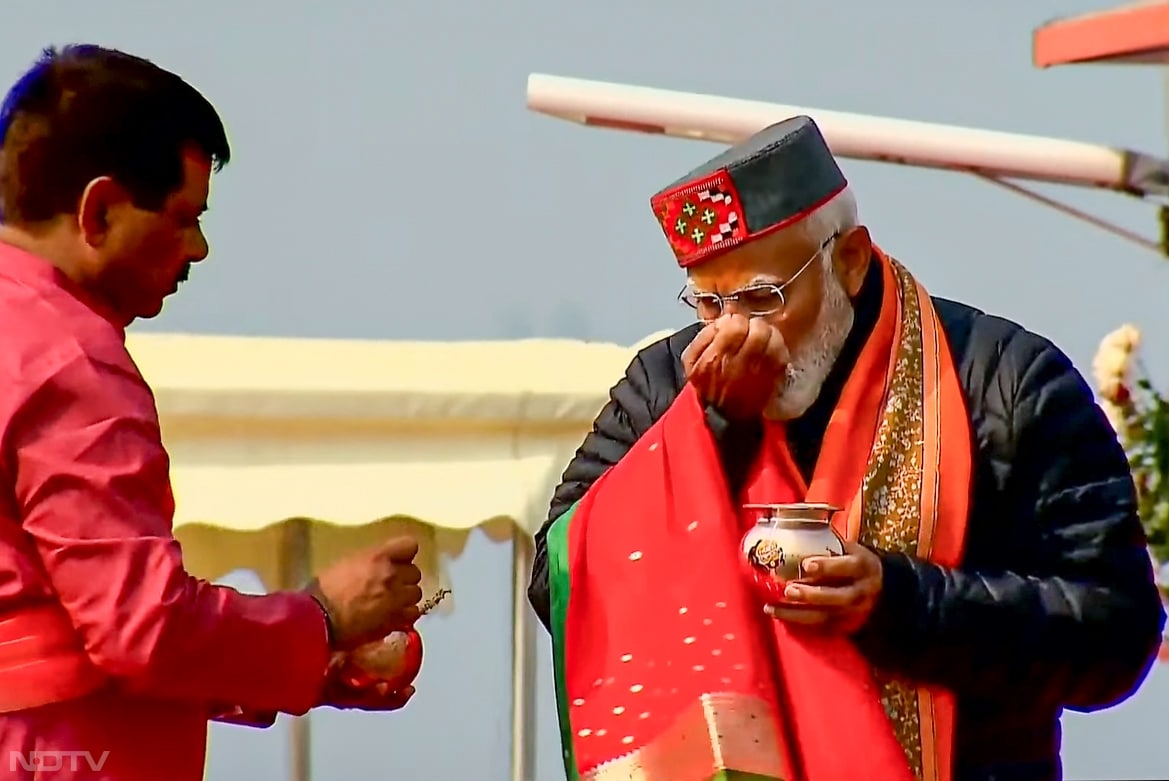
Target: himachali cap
(777, 177)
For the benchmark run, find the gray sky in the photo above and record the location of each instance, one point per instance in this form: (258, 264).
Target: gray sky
(389, 183)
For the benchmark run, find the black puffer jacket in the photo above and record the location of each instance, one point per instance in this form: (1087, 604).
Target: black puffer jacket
(1054, 605)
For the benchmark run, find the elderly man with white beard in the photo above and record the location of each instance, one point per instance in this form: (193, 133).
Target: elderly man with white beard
(994, 569)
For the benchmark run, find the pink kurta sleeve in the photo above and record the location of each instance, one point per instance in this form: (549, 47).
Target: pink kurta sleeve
(93, 489)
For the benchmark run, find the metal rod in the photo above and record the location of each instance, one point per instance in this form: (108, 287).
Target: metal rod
(295, 571)
(523, 664)
(300, 741)
(1165, 90)
(1071, 211)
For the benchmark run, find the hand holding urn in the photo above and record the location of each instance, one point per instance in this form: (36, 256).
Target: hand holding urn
(393, 662)
(774, 549)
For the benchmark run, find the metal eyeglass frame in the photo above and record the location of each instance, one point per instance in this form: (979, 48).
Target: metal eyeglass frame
(694, 300)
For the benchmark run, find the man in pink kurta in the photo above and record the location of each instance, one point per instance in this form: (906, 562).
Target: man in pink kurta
(113, 657)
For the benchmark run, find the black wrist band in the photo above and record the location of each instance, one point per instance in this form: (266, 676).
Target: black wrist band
(313, 589)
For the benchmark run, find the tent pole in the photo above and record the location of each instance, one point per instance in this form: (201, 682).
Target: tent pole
(523, 663)
(300, 743)
(296, 570)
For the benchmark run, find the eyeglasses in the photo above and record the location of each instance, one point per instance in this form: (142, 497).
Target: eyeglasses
(756, 300)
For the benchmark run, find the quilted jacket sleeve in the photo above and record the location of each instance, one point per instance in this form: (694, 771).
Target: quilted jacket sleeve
(1074, 619)
(619, 425)
(650, 385)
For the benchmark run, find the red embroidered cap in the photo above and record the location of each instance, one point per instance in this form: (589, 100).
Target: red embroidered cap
(776, 177)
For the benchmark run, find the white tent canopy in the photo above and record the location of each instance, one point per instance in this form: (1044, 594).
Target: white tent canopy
(352, 432)
(286, 453)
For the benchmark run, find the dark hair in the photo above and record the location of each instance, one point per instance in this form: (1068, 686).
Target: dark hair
(82, 112)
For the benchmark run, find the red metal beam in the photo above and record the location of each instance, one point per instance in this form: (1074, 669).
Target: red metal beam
(1134, 33)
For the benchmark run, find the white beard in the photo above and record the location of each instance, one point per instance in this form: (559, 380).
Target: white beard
(813, 360)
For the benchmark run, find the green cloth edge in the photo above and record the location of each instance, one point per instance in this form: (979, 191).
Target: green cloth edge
(559, 584)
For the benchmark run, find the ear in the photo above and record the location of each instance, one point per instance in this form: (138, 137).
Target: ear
(851, 258)
(100, 202)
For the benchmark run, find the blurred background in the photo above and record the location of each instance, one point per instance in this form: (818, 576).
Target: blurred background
(388, 183)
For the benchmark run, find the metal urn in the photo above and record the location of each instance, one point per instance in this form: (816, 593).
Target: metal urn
(773, 550)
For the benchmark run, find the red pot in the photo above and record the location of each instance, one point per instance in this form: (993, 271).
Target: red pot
(395, 660)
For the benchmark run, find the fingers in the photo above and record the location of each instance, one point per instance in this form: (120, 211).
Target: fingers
(374, 698)
(776, 348)
(405, 618)
(400, 550)
(408, 574)
(412, 595)
(734, 335)
(834, 568)
(396, 700)
(759, 333)
(836, 592)
(737, 364)
(382, 699)
(764, 349)
(401, 616)
(730, 333)
(800, 616)
(826, 597)
(834, 582)
(697, 347)
(748, 345)
(337, 662)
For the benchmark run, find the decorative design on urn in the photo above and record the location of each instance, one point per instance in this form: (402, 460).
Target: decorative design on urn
(774, 549)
